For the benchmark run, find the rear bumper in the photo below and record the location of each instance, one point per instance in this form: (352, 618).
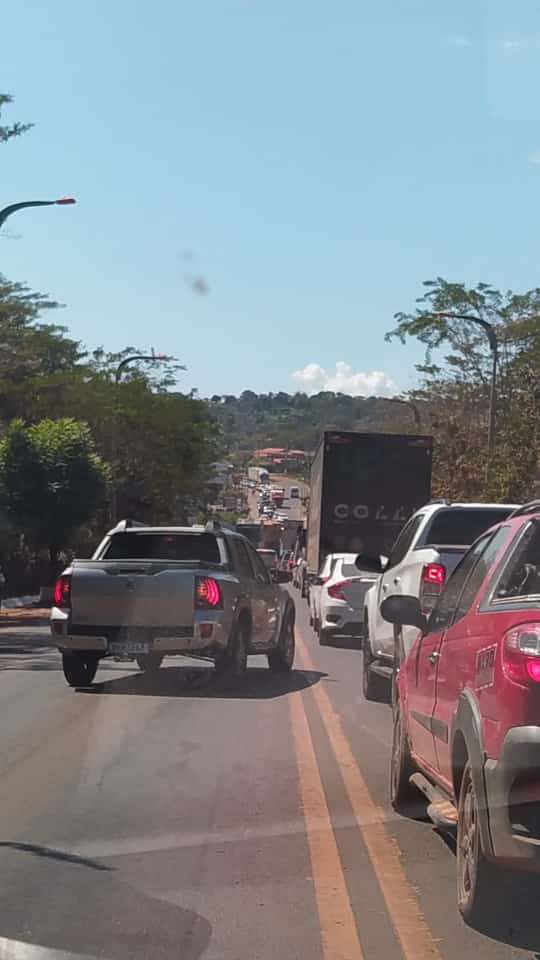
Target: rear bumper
(206, 634)
(342, 619)
(513, 799)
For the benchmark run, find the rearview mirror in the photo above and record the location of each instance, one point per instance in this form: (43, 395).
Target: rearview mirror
(403, 611)
(280, 576)
(369, 564)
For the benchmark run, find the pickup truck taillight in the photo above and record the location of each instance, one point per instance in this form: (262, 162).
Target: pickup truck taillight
(521, 653)
(207, 594)
(432, 582)
(62, 591)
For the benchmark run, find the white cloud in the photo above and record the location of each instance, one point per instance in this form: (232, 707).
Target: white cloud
(458, 41)
(511, 44)
(534, 157)
(313, 378)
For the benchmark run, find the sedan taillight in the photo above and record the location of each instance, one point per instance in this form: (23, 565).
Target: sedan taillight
(336, 590)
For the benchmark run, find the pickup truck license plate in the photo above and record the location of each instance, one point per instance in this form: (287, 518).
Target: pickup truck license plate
(128, 646)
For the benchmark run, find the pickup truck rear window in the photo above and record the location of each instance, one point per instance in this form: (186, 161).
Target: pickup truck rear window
(457, 527)
(202, 547)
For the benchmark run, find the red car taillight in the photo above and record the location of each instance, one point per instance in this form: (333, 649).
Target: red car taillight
(336, 590)
(207, 594)
(521, 653)
(62, 591)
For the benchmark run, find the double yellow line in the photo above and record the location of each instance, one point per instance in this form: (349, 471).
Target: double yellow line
(339, 934)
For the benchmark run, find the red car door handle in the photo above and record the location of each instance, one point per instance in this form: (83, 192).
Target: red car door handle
(433, 657)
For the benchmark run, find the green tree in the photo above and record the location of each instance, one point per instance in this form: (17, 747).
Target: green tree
(454, 387)
(16, 129)
(51, 480)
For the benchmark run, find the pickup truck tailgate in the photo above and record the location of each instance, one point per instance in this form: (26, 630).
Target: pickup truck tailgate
(132, 594)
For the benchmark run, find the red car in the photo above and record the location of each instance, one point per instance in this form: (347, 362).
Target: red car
(467, 708)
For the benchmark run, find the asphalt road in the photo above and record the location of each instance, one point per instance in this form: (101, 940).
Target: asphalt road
(182, 819)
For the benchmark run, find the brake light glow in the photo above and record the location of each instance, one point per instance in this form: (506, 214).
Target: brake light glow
(207, 593)
(434, 573)
(336, 590)
(62, 591)
(521, 653)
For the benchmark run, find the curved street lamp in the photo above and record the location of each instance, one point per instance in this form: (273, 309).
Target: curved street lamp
(14, 207)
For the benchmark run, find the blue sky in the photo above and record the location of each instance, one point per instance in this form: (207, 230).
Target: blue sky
(313, 162)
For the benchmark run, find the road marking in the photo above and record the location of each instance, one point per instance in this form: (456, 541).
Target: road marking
(414, 935)
(339, 937)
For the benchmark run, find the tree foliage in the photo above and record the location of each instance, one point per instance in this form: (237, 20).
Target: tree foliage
(51, 480)
(15, 129)
(455, 387)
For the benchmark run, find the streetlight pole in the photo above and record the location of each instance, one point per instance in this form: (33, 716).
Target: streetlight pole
(148, 358)
(489, 330)
(14, 207)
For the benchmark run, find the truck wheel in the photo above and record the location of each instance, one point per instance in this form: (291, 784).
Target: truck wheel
(282, 659)
(149, 662)
(232, 662)
(402, 793)
(477, 878)
(79, 668)
(373, 686)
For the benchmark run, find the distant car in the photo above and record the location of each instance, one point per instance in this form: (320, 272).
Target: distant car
(269, 558)
(294, 493)
(341, 600)
(315, 585)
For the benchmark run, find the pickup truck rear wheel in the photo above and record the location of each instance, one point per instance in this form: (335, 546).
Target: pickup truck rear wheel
(149, 662)
(232, 662)
(282, 659)
(374, 687)
(79, 667)
(477, 878)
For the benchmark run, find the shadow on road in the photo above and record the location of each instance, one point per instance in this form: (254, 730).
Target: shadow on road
(24, 648)
(49, 853)
(258, 684)
(512, 917)
(345, 643)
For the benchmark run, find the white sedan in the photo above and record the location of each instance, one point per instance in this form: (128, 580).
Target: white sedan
(337, 597)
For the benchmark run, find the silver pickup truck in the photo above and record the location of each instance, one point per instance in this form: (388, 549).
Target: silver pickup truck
(150, 592)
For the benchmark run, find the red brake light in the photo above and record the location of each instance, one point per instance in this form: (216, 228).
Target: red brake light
(336, 590)
(521, 653)
(62, 591)
(207, 593)
(434, 573)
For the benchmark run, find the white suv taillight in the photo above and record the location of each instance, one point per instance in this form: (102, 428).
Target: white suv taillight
(431, 584)
(521, 653)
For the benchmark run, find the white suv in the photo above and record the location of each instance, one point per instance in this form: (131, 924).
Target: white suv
(424, 555)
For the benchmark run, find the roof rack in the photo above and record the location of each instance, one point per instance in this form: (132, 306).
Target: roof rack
(532, 507)
(444, 500)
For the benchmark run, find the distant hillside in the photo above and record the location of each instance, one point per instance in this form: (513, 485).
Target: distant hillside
(296, 420)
